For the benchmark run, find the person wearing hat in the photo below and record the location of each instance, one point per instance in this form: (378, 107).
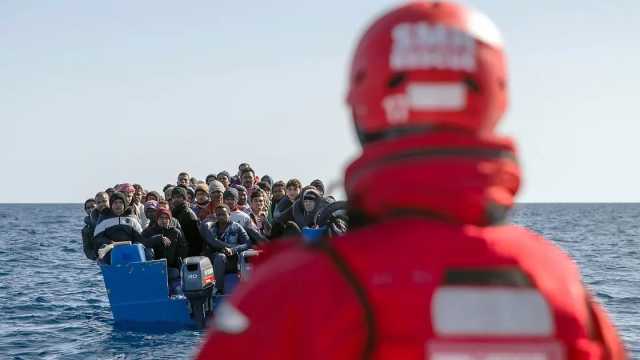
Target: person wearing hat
(152, 195)
(117, 225)
(187, 218)
(201, 202)
(216, 189)
(166, 240)
(319, 185)
(150, 209)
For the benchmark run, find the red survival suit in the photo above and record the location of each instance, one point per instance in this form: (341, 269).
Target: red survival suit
(435, 278)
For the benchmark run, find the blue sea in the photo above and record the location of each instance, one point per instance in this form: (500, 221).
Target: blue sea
(53, 303)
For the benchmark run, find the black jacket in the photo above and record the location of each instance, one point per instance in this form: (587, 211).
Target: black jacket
(112, 228)
(175, 252)
(87, 239)
(190, 224)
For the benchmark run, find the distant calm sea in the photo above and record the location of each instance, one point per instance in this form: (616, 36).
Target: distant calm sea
(53, 304)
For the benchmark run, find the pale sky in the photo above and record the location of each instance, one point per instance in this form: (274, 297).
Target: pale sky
(94, 93)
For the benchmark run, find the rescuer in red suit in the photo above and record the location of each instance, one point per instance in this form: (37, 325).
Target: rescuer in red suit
(429, 269)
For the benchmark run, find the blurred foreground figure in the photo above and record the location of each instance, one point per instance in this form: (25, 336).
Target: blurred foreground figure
(430, 270)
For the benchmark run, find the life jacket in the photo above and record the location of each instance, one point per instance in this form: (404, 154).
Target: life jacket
(430, 272)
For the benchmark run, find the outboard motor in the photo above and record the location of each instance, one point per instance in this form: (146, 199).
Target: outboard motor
(197, 285)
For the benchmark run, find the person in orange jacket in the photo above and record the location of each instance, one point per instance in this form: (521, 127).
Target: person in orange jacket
(429, 269)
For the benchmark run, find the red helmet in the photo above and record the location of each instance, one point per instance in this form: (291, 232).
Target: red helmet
(424, 65)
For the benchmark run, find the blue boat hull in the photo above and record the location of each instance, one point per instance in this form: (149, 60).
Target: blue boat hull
(139, 292)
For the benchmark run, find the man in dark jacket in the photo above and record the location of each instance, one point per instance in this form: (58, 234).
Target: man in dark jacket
(100, 210)
(227, 239)
(87, 230)
(167, 241)
(188, 220)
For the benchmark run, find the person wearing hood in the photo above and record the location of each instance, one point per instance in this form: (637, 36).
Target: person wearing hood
(129, 191)
(227, 240)
(152, 195)
(189, 222)
(117, 226)
(166, 240)
(307, 207)
(319, 185)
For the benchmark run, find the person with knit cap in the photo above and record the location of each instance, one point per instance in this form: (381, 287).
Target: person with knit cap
(189, 222)
(319, 185)
(167, 241)
(435, 272)
(201, 201)
(216, 189)
(153, 195)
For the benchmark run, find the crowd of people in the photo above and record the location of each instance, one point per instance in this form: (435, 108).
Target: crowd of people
(218, 217)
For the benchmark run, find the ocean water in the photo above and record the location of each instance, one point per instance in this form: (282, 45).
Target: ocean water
(53, 303)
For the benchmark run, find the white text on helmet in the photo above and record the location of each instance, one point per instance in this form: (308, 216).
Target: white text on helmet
(422, 46)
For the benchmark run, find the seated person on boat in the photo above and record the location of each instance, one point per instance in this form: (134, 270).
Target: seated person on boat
(116, 225)
(225, 240)
(167, 241)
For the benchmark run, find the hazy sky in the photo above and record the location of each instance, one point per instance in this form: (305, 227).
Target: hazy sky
(94, 93)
